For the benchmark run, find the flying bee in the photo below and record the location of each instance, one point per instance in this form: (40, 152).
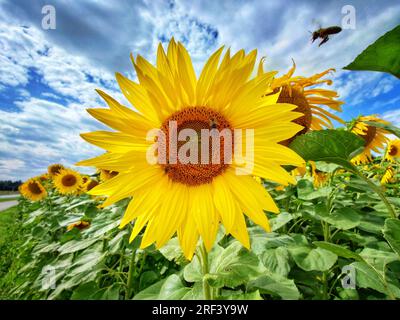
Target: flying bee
(324, 34)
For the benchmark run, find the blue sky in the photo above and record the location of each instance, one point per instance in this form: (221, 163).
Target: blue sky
(48, 77)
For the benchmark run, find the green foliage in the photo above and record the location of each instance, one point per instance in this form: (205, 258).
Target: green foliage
(383, 55)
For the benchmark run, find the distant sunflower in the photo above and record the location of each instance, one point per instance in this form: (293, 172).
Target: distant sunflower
(393, 150)
(309, 101)
(320, 177)
(44, 177)
(68, 181)
(33, 190)
(192, 199)
(55, 169)
(80, 225)
(375, 138)
(387, 176)
(107, 174)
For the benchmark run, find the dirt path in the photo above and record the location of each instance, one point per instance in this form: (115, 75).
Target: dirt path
(7, 204)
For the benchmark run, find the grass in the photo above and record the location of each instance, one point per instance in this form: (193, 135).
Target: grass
(8, 199)
(8, 218)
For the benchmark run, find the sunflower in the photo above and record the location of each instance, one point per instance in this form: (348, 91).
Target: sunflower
(374, 138)
(192, 199)
(393, 150)
(55, 169)
(33, 190)
(107, 174)
(68, 181)
(387, 176)
(320, 177)
(309, 101)
(80, 225)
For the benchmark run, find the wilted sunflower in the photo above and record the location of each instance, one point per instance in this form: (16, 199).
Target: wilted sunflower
(387, 176)
(107, 174)
(68, 181)
(80, 225)
(374, 138)
(33, 190)
(192, 199)
(55, 169)
(393, 150)
(309, 101)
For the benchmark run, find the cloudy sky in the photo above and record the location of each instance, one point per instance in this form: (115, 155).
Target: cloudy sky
(48, 77)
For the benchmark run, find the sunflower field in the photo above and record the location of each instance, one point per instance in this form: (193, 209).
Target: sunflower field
(317, 218)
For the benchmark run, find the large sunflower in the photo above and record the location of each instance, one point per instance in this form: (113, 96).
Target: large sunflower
(107, 174)
(68, 181)
(375, 138)
(309, 101)
(33, 190)
(393, 150)
(192, 199)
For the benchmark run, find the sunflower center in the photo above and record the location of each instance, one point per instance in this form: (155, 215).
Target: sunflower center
(370, 135)
(393, 150)
(34, 188)
(295, 96)
(69, 180)
(202, 168)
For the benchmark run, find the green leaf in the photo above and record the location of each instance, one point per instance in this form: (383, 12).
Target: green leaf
(310, 259)
(234, 266)
(173, 289)
(343, 218)
(173, 252)
(150, 293)
(275, 285)
(367, 277)
(147, 279)
(391, 233)
(76, 245)
(331, 146)
(378, 258)
(383, 55)
(85, 291)
(387, 127)
(280, 220)
(338, 250)
(277, 261)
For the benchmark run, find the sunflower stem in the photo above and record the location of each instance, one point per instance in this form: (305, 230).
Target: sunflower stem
(131, 272)
(205, 270)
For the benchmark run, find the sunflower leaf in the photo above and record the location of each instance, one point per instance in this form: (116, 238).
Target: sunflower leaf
(391, 233)
(383, 55)
(331, 146)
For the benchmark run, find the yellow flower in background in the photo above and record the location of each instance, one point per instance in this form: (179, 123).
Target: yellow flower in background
(33, 190)
(107, 174)
(388, 176)
(393, 150)
(80, 225)
(309, 101)
(55, 169)
(68, 181)
(193, 199)
(320, 177)
(374, 138)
